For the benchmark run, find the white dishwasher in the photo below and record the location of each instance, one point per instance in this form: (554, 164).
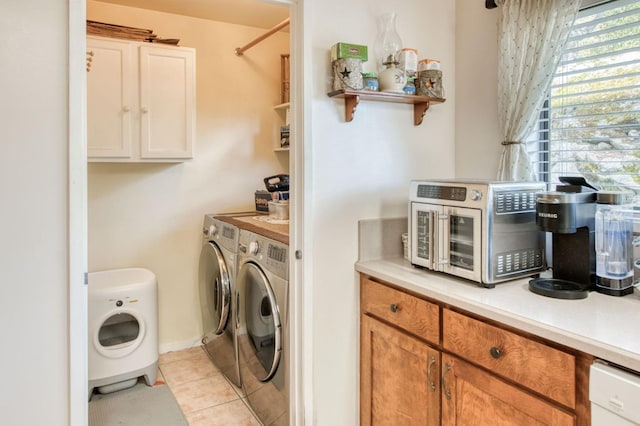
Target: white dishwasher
(614, 395)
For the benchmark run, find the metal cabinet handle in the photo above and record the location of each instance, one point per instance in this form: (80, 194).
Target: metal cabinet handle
(495, 352)
(393, 307)
(430, 381)
(445, 388)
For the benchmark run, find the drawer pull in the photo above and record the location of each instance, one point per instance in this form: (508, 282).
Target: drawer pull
(495, 352)
(393, 307)
(430, 381)
(447, 391)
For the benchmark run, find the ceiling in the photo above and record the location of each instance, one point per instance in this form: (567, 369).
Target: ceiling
(253, 13)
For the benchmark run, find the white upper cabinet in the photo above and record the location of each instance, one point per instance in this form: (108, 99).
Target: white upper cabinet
(141, 101)
(111, 98)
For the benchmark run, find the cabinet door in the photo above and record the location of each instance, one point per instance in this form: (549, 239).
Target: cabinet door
(398, 377)
(110, 98)
(167, 102)
(471, 396)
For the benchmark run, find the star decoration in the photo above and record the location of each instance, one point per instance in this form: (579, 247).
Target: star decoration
(345, 73)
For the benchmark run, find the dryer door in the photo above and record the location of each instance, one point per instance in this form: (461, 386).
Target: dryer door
(261, 336)
(215, 290)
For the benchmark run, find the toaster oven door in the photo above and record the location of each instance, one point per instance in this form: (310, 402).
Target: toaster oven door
(425, 241)
(460, 230)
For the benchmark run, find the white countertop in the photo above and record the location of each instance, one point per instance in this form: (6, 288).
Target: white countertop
(604, 326)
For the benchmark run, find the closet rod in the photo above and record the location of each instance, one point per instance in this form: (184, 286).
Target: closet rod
(281, 25)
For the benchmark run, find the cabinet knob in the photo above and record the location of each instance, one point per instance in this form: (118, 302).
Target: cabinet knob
(126, 108)
(393, 307)
(495, 352)
(144, 110)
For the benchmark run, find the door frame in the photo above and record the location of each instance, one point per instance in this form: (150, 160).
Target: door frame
(301, 399)
(301, 404)
(77, 220)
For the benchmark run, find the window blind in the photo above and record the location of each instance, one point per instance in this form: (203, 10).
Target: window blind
(590, 123)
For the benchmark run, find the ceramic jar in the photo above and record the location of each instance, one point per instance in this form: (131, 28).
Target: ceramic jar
(392, 79)
(370, 81)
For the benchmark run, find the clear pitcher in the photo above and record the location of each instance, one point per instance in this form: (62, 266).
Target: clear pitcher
(614, 243)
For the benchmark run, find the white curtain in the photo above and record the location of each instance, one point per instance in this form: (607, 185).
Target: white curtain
(531, 36)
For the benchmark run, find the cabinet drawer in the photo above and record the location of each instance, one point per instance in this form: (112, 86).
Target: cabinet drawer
(545, 370)
(410, 313)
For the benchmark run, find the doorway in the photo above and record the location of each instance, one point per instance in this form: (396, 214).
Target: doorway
(80, 382)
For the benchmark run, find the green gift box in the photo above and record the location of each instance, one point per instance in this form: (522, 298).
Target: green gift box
(348, 50)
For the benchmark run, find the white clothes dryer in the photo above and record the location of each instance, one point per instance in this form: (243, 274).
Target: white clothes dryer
(263, 331)
(218, 262)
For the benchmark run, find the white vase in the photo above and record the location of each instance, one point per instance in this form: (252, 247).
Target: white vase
(392, 79)
(388, 40)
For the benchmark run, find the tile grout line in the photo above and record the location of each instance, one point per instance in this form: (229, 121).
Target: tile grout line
(236, 392)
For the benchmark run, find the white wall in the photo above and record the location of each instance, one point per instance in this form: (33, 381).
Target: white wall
(356, 170)
(150, 215)
(362, 170)
(477, 135)
(34, 197)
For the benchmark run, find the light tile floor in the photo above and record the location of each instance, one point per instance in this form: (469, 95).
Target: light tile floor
(205, 396)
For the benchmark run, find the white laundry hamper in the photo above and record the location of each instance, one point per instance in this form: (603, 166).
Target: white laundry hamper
(123, 328)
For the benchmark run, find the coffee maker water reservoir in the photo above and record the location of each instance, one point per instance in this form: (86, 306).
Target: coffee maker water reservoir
(614, 243)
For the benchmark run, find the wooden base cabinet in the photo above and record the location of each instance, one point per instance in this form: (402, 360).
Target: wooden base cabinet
(426, 363)
(472, 396)
(400, 377)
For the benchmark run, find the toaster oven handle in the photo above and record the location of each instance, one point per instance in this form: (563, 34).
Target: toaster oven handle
(443, 239)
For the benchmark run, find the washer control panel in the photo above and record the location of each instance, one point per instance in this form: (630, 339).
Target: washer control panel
(224, 234)
(270, 254)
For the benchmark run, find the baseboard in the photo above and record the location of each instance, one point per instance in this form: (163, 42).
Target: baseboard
(178, 346)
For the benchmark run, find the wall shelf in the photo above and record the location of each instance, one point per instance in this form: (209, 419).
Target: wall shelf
(352, 98)
(283, 121)
(282, 106)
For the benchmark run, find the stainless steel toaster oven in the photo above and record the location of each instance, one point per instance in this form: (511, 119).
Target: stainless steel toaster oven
(479, 230)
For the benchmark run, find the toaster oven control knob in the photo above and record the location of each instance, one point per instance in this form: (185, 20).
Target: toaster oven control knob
(254, 247)
(213, 230)
(475, 195)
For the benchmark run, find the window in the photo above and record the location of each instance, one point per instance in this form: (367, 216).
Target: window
(590, 123)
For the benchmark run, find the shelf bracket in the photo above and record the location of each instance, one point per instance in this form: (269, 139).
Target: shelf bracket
(419, 110)
(350, 104)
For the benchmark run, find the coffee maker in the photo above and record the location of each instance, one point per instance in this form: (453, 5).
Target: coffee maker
(568, 213)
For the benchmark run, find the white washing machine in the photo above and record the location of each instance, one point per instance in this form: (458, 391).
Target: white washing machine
(123, 328)
(218, 262)
(263, 331)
